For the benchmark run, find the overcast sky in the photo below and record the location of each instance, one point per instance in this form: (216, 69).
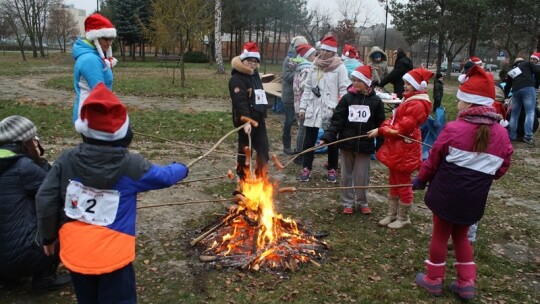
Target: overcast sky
(376, 16)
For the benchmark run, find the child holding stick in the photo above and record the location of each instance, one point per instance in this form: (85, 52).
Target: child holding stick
(399, 153)
(465, 159)
(358, 111)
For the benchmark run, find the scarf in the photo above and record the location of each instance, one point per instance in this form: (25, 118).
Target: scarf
(485, 115)
(328, 65)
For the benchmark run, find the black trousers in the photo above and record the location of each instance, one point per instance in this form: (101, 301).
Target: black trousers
(259, 144)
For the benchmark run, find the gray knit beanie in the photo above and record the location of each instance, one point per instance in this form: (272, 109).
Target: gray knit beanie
(16, 128)
(296, 41)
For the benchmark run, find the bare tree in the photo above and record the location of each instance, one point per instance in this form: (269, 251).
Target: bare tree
(217, 34)
(320, 25)
(62, 25)
(175, 24)
(9, 13)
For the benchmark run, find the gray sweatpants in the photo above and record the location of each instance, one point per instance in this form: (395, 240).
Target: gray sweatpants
(354, 172)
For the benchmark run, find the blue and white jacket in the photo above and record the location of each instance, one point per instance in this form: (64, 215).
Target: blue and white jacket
(89, 70)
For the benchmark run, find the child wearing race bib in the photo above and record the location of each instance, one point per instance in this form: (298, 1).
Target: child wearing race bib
(358, 111)
(88, 201)
(249, 100)
(401, 151)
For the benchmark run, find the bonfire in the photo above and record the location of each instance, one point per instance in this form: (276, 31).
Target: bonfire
(252, 235)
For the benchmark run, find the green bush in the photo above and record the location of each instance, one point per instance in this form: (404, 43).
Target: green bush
(195, 57)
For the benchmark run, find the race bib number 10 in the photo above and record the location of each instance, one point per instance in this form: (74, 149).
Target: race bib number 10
(359, 113)
(90, 205)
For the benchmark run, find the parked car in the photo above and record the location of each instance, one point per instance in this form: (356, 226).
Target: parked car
(456, 67)
(490, 67)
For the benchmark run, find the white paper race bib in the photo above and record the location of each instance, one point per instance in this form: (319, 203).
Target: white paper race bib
(260, 97)
(359, 113)
(90, 205)
(515, 72)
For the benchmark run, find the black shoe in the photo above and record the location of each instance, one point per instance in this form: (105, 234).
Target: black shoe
(528, 141)
(50, 283)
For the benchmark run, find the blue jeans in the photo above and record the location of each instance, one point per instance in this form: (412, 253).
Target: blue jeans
(289, 120)
(526, 98)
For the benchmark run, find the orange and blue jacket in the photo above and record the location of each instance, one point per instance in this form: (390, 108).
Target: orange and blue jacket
(92, 249)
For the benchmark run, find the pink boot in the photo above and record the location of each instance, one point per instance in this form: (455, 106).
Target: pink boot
(464, 286)
(433, 280)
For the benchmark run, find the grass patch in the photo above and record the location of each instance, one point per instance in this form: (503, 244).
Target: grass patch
(366, 264)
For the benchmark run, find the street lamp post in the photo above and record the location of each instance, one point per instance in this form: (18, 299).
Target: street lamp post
(385, 3)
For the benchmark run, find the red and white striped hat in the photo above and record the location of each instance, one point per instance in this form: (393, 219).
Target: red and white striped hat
(250, 50)
(329, 43)
(349, 52)
(363, 73)
(103, 116)
(478, 87)
(304, 50)
(418, 78)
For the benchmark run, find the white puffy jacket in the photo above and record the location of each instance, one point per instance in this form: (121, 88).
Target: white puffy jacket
(332, 85)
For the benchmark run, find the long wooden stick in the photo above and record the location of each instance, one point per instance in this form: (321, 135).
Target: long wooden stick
(318, 147)
(229, 175)
(294, 189)
(189, 203)
(247, 122)
(416, 140)
(195, 241)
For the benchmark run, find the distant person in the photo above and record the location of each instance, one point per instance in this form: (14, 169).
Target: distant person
(249, 100)
(326, 83)
(358, 111)
(401, 66)
(401, 151)
(350, 58)
(470, 63)
(524, 80)
(438, 91)
(93, 59)
(22, 170)
(304, 59)
(467, 156)
(379, 62)
(89, 201)
(287, 94)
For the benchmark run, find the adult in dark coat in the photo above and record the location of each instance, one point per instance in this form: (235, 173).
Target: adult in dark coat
(401, 66)
(22, 170)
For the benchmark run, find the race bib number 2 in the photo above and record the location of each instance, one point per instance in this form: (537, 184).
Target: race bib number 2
(359, 113)
(90, 205)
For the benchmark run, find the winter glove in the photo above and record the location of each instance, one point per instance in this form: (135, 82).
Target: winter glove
(418, 184)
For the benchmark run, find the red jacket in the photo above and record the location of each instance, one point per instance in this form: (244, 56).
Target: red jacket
(398, 153)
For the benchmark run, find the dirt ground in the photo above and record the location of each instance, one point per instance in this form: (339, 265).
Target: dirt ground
(158, 228)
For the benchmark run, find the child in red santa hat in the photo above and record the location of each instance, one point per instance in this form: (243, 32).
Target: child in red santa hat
(401, 151)
(465, 159)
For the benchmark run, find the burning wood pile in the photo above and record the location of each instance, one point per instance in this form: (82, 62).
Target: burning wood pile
(254, 236)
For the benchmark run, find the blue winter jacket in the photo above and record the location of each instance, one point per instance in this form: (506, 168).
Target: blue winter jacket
(89, 70)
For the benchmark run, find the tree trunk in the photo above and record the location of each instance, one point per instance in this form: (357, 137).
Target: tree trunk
(217, 38)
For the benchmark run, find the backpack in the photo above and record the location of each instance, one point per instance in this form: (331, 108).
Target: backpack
(431, 130)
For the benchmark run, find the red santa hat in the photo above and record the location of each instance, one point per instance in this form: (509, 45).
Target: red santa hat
(98, 26)
(349, 52)
(304, 50)
(478, 87)
(535, 55)
(250, 51)
(418, 78)
(476, 60)
(103, 116)
(329, 43)
(363, 73)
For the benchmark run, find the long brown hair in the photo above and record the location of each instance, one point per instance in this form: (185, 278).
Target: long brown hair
(481, 138)
(28, 148)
